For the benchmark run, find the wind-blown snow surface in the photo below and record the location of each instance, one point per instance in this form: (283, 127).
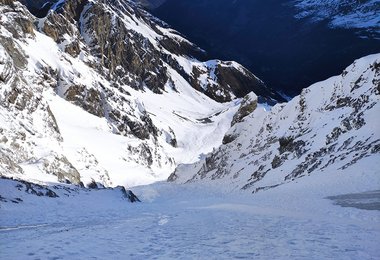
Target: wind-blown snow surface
(193, 221)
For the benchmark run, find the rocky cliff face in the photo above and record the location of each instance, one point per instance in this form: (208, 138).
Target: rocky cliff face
(134, 79)
(24, 113)
(331, 127)
(133, 48)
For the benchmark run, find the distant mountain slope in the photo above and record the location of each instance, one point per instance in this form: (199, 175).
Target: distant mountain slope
(289, 44)
(331, 127)
(150, 4)
(363, 15)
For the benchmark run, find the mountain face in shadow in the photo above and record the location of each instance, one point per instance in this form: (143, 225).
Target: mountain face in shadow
(287, 53)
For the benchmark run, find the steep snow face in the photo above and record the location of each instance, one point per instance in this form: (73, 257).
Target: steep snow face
(343, 14)
(331, 127)
(72, 110)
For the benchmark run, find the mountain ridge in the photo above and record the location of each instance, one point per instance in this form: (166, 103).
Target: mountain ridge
(329, 128)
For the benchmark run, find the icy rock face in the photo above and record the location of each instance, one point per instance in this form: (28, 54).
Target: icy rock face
(332, 125)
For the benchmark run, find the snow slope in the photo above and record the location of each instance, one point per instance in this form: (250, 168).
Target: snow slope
(193, 221)
(332, 126)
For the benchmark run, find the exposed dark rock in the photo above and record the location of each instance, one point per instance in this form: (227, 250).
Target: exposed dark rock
(62, 168)
(285, 144)
(112, 44)
(140, 130)
(247, 106)
(228, 139)
(89, 99)
(32, 188)
(128, 194)
(7, 2)
(172, 177)
(276, 162)
(51, 194)
(143, 153)
(9, 163)
(255, 177)
(57, 25)
(92, 185)
(17, 56)
(288, 144)
(242, 82)
(376, 149)
(22, 25)
(182, 48)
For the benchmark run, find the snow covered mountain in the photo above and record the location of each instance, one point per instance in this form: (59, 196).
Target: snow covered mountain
(102, 91)
(331, 129)
(99, 96)
(362, 15)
